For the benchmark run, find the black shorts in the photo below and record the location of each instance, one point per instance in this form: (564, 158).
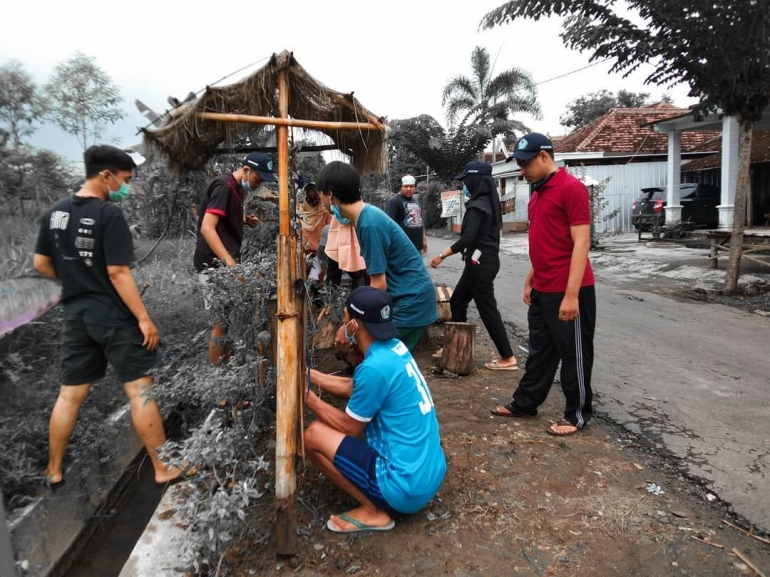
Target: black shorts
(87, 346)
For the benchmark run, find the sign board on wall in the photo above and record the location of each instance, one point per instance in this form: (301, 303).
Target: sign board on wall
(450, 203)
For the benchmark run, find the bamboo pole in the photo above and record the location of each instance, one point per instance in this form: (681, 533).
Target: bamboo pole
(272, 149)
(285, 121)
(287, 349)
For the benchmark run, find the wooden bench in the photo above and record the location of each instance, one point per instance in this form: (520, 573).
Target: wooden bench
(754, 247)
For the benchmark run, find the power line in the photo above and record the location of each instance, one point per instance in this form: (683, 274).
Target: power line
(571, 72)
(204, 88)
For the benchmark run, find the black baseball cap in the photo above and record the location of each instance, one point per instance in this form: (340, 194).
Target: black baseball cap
(374, 308)
(262, 163)
(529, 146)
(475, 167)
(310, 185)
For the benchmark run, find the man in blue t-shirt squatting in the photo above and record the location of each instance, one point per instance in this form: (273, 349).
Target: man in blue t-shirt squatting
(401, 465)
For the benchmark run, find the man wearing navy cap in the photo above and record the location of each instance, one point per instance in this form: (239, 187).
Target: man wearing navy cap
(220, 225)
(400, 466)
(559, 289)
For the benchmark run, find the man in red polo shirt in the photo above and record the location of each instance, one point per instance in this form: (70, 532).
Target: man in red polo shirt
(559, 289)
(220, 228)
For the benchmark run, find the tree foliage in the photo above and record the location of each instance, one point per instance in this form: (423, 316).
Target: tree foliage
(587, 108)
(32, 179)
(489, 102)
(422, 141)
(721, 50)
(20, 104)
(82, 99)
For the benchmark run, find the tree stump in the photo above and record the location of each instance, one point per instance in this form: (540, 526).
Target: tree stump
(443, 294)
(459, 353)
(324, 338)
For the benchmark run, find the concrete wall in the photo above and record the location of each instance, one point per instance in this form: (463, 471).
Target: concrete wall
(43, 532)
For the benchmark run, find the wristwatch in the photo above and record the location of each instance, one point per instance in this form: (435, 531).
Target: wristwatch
(441, 255)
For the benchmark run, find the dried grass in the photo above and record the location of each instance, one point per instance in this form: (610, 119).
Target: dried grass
(187, 142)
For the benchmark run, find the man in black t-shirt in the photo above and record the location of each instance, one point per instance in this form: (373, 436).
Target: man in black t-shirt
(407, 212)
(220, 227)
(84, 243)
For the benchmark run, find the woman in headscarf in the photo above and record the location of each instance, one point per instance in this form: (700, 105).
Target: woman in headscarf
(314, 218)
(479, 245)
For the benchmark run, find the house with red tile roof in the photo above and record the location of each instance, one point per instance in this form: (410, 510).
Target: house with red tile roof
(620, 148)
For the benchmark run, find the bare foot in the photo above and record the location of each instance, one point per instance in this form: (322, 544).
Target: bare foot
(370, 517)
(53, 477)
(174, 473)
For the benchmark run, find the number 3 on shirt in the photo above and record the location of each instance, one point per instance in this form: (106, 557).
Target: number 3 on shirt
(427, 402)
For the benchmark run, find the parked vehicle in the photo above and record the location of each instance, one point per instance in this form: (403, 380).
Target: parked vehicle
(699, 206)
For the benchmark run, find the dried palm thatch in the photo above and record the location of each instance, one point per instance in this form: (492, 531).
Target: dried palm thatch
(187, 141)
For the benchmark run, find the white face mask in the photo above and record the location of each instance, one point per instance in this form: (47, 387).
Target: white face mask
(351, 338)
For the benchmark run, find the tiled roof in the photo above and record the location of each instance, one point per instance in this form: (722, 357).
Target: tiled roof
(499, 157)
(760, 152)
(624, 130)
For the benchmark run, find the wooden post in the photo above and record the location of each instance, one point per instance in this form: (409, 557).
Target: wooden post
(714, 254)
(287, 365)
(459, 353)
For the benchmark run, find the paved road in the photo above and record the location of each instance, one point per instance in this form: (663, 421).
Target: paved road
(692, 379)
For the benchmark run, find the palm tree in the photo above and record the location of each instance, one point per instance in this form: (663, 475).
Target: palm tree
(489, 103)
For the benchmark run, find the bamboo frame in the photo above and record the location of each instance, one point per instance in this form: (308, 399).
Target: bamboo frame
(290, 333)
(286, 121)
(287, 363)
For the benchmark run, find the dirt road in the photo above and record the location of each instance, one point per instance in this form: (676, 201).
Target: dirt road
(691, 379)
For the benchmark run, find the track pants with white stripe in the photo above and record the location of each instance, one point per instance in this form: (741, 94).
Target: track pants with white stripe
(551, 341)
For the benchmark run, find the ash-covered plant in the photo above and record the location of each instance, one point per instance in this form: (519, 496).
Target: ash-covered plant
(238, 397)
(219, 500)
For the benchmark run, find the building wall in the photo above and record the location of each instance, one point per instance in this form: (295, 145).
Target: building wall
(623, 188)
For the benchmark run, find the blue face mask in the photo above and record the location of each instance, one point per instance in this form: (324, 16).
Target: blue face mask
(120, 194)
(245, 185)
(351, 338)
(466, 192)
(338, 215)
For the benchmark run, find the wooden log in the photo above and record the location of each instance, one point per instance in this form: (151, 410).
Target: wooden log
(284, 122)
(443, 294)
(459, 353)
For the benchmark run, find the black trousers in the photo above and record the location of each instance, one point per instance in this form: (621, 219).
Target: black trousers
(551, 341)
(477, 283)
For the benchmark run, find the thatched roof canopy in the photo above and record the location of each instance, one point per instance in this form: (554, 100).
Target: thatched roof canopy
(187, 141)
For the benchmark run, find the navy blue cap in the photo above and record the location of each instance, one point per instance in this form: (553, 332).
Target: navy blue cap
(475, 167)
(374, 308)
(309, 185)
(529, 146)
(262, 163)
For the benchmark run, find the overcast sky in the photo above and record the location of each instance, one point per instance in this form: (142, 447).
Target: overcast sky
(396, 55)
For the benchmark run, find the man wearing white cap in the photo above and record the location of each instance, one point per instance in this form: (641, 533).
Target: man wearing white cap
(407, 212)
